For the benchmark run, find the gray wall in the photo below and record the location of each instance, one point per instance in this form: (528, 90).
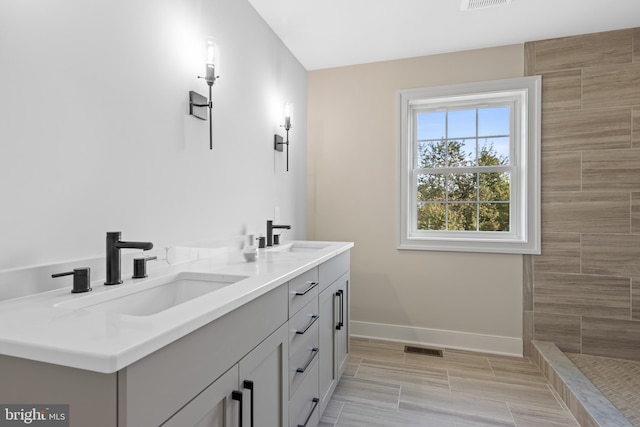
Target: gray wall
(95, 136)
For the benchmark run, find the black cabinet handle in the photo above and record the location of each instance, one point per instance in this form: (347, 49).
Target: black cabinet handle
(314, 351)
(311, 322)
(315, 405)
(340, 295)
(249, 385)
(311, 286)
(237, 395)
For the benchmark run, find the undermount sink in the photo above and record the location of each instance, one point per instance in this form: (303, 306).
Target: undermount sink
(298, 247)
(153, 296)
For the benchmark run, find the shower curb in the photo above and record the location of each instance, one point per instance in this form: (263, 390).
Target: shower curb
(587, 404)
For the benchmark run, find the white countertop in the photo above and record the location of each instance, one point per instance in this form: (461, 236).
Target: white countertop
(32, 327)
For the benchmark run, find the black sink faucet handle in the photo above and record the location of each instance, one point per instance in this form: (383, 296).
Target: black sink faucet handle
(81, 279)
(140, 267)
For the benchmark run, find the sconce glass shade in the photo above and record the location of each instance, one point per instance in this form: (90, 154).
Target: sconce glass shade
(287, 113)
(212, 61)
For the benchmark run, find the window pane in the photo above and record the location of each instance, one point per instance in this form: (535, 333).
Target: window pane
(431, 187)
(456, 153)
(432, 216)
(462, 186)
(493, 151)
(462, 216)
(431, 125)
(462, 123)
(431, 154)
(493, 121)
(495, 186)
(494, 217)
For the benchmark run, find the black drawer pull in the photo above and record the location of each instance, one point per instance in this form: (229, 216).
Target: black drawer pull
(249, 385)
(237, 395)
(314, 351)
(311, 322)
(340, 296)
(315, 405)
(311, 286)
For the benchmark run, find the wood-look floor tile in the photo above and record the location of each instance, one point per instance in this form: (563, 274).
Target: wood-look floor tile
(535, 394)
(392, 352)
(364, 392)
(529, 416)
(454, 362)
(404, 375)
(353, 363)
(460, 419)
(446, 402)
(522, 369)
(361, 416)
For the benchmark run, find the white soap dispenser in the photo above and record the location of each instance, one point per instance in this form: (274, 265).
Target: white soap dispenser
(250, 250)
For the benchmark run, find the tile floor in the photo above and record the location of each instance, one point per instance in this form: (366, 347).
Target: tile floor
(386, 387)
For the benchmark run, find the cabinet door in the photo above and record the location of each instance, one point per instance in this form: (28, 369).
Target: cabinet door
(328, 375)
(264, 381)
(214, 407)
(342, 328)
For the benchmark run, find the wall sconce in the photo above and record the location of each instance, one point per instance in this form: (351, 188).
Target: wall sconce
(287, 112)
(198, 103)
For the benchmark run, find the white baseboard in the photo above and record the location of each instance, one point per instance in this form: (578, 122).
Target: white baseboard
(438, 338)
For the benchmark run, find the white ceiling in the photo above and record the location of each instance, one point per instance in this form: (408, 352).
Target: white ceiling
(332, 33)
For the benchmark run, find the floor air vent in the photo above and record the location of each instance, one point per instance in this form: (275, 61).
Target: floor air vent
(422, 350)
(481, 4)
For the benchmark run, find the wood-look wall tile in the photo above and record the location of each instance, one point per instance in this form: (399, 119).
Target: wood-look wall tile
(562, 90)
(530, 59)
(585, 212)
(527, 332)
(635, 127)
(561, 171)
(527, 282)
(635, 298)
(636, 45)
(635, 213)
(611, 338)
(560, 253)
(611, 254)
(608, 48)
(611, 86)
(586, 130)
(582, 295)
(611, 170)
(560, 329)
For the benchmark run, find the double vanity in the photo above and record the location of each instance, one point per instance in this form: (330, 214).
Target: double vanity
(212, 342)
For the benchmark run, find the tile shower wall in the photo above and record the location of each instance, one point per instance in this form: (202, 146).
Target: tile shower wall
(583, 291)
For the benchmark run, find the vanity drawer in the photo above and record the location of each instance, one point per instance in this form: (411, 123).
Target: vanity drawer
(331, 270)
(303, 360)
(302, 289)
(301, 325)
(303, 407)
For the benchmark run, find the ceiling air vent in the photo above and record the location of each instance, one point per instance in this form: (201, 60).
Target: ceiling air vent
(481, 4)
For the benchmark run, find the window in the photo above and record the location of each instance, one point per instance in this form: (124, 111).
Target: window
(470, 168)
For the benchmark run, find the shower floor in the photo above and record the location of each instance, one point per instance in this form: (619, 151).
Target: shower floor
(618, 380)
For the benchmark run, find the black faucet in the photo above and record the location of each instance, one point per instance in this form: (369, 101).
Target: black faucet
(113, 255)
(270, 227)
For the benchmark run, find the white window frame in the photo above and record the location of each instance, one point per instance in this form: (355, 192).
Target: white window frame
(524, 94)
